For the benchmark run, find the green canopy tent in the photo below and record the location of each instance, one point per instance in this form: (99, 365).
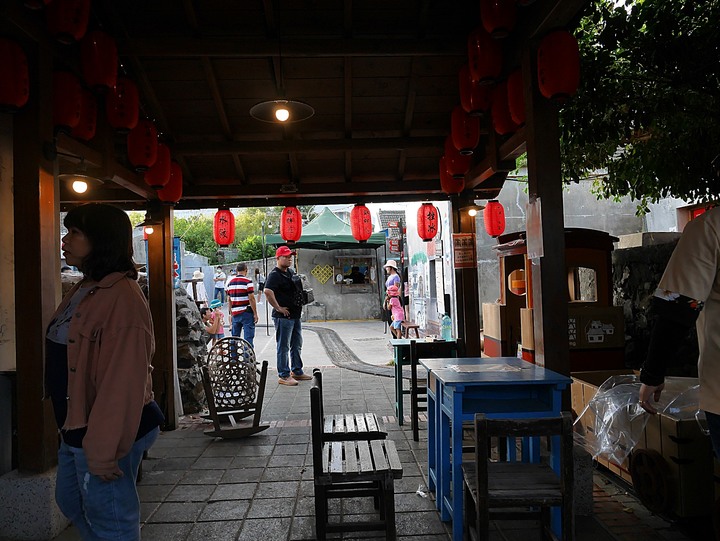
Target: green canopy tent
(328, 232)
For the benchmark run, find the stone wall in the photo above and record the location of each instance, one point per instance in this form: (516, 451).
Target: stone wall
(636, 274)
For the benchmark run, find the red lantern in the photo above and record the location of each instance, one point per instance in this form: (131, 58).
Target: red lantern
(142, 145)
(448, 183)
(99, 58)
(67, 101)
(474, 98)
(484, 56)
(558, 64)
(465, 131)
(494, 218)
(290, 224)
(224, 227)
(15, 82)
(159, 174)
(85, 128)
(516, 99)
(428, 221)
(361, 223)
(457, 164)
(67, 20)
(498, 16)
(502, 121)
(172, 191)
(122, 105)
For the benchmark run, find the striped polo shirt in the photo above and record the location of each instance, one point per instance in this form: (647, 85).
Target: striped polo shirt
(237, 291)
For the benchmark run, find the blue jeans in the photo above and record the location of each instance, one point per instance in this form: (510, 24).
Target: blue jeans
(244, 323)
(101, 509)
(288, 337)
(221, 292)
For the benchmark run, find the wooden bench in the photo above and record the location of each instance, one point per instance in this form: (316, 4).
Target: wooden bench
(351, 469)
(234, 387)
(491, 489)
(407, 326)
(348, 426)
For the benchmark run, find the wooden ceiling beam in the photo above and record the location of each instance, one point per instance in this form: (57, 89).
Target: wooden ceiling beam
(205, 148)
(181, 47)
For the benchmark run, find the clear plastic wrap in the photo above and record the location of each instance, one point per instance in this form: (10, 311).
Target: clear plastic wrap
(613, 422)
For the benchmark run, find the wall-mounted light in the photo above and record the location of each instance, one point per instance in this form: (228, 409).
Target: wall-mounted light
(472, 208)
(151, 220)
(76, 176)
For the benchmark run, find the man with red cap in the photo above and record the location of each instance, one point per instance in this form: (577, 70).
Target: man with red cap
(281, 294)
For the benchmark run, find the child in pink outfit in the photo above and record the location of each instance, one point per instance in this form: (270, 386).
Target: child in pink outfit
(398, 314)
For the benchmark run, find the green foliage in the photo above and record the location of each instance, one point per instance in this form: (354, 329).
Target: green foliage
(136, 217)
(648, 107)
(197, 232)
(250, 248)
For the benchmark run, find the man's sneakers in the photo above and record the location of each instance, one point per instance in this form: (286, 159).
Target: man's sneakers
(301, 377)
(287, 380)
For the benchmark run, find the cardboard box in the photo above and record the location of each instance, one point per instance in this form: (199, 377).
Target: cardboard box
(688, 460)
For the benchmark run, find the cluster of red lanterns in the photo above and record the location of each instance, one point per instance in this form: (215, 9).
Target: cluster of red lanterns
(75, 106)
(224, 227)
(483, 89)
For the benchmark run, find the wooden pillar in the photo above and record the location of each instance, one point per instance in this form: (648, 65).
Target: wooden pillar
(37, 266)
(466, 288)
(162, 306)
(550, 297)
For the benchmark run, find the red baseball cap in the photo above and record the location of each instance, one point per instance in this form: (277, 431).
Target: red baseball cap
(284, 251)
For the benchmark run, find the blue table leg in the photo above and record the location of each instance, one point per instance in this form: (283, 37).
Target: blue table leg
(398, 385)
(456, 471)
(443, 478)
(432, 467)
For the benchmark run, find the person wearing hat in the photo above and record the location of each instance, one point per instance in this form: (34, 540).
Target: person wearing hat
(280, 294)
(213, 320)
(392, 302)
(393, 276)
(197, 291)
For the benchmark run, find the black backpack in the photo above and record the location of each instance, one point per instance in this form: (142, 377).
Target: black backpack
(303, 294)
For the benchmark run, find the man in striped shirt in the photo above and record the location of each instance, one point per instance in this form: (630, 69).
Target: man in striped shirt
(243, 310)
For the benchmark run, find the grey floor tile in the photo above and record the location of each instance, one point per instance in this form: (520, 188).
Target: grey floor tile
(191, 493)
(277, 489)
(303, 527)
(213, 463)
(242, 475)
(265, 529)
(153, 493)
(275, 507)
(162, 477)
(215, 531)
(225, 510)
(250, 461)
(202, 477)
(235, 491)
(177, 512)
(165, 532)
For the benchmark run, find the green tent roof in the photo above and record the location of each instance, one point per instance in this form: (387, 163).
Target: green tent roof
(328, 232)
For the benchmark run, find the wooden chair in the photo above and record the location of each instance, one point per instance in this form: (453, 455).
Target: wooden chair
(234, 388)
(407, 326)
(351, 469)
(418, 383)
(530, 489)
(348, 426)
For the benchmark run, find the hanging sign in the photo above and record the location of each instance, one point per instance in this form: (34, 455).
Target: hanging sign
(464, 252)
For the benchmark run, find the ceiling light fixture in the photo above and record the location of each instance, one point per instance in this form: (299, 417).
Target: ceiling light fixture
(79, 179)
(281, 110)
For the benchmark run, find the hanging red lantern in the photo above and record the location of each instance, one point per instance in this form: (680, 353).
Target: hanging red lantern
(67, 20)
(448, 183)
(85, 128)
(474, 98)
(224, 227)
(142, 145)
(67, 101)
(465, 131)
(494, 218)
(558, 64)
(15, 82)
(172, 191)
(516, 99)
(428, 221)
(122, 105)
(502, 121)
(457, 164)
(484, 57)
(159, 174)
(361, 223)
(498, 16)
(290, 224)
(99, 59)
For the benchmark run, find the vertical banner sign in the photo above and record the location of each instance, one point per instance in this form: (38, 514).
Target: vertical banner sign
(177, 263)
(464, 254)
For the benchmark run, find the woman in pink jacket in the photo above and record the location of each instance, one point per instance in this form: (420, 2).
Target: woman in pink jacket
(98, 375)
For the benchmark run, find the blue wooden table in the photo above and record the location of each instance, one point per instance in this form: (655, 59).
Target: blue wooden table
(401, 350)
(499, 387)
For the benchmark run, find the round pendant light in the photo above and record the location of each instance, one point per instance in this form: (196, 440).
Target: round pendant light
(281, 111)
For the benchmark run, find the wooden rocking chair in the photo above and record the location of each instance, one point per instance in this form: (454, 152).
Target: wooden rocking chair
(234, 388)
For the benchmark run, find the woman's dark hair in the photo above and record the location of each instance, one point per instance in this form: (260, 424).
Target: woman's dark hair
(109, 232)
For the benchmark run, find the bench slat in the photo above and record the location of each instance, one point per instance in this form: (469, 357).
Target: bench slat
(350, 449)
(349, 424)
(378, 454)
(336, 457)
(369, 420)
(328, 424)
(393, 458)
(365, 457)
